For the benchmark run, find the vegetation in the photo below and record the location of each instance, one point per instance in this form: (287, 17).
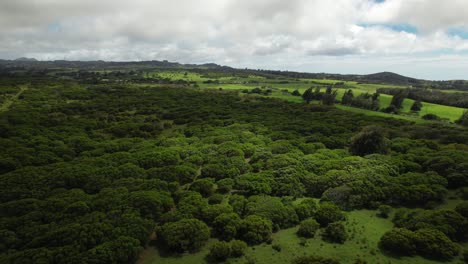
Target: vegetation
(97, 166)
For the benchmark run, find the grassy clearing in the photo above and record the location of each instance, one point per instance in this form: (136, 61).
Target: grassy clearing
(8, 102)
(449, 113)
(364, 228)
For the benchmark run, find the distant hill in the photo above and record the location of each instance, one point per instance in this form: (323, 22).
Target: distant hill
(390, 77)
(25, 59)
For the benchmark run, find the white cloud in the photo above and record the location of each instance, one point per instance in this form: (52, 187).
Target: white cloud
(259, 33)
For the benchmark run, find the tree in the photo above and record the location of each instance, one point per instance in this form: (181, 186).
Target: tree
(398, 98)
(185, 235)
(328, 213)
(463, 120)
(238, 248)
(306, 208)
(435, 244)
(121, 250)
(226, 225)
(370, 140)
(203, 186)
(256, 229)
(308, 95)
(308, 228)
(296, 93)
(347, 97)
(328, 98)
(462, 209)
(219, 251)
(384, 210)
(335, 232)
(399, 241)
(417, 105)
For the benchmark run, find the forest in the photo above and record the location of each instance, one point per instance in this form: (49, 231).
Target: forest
(103, 167)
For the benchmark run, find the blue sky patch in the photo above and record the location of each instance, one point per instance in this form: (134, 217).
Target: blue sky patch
(460, 32)
(54, 27)
(395, 27)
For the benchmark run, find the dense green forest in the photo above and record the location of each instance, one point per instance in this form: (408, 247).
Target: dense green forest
(95, 172)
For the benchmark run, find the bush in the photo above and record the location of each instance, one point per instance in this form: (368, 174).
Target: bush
(335, 232)
(328, 213)
(399, 241)
(314, 260)
(238, 248)
(369, 140)
(256, 229)
(186, 234)
(430, 117)
(462, 209)
(219, 251)
(308, 228)
(276, 247)
(432, 243)
(384, 211)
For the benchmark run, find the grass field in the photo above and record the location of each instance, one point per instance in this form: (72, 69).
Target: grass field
(448, 113)
(364, 229)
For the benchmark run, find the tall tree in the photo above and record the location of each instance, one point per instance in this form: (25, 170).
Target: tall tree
(308, 95)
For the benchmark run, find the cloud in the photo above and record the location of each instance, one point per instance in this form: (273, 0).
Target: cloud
(238, 32)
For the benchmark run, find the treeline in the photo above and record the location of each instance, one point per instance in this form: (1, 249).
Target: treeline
(431, 96)
(364, 100)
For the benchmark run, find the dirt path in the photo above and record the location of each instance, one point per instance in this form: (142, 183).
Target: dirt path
(6, 105)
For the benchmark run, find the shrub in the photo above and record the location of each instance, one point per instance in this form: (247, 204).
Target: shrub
(308, 228)
(335, 232)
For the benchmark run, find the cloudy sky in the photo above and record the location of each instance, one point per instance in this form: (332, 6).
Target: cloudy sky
(420, 38)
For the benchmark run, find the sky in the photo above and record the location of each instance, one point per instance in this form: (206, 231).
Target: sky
(418, 38)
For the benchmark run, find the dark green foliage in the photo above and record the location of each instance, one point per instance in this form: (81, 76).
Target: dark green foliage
(272, 208)
(203, 186)
(308, 95)
(219, 251)
(238, 248)
(462, 209)
(426, 242)
(256, 229)
(417, 105)
(369, 140)
(449, 222)
(308, 228)
(432, 243)
(384, 210)
(296, 93)
(185, 235)
(335, 233)
(430, 117)
(328, 213)
(314, 260)
(463, 120)
(398, 98)
(306, 208)
(226, 225)
(399, 241)
(122, 250)
(347, 97)
(225, 185)
(328, 98)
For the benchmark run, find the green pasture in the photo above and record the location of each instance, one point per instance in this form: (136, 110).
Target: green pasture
(449, 113)
(364, 229)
